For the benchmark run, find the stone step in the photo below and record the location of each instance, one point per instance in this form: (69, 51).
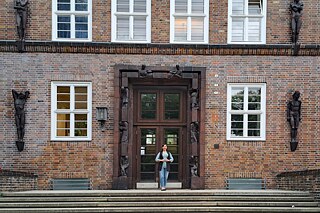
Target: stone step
(163, 209)
(135, 193)
(155, 199)
(155, 204)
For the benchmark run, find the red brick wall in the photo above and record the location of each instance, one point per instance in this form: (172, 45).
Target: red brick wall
(35, 71)
(278, 21)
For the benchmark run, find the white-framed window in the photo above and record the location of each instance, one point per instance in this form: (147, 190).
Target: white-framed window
(189, 21)
(247, 21)
(246, 112)
(71, 20)
(71, 111)
(131, 21)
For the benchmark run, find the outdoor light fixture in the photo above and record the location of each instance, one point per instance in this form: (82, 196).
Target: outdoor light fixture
(102, 115)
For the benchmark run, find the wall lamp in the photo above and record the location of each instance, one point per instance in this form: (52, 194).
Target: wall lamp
(102, 116)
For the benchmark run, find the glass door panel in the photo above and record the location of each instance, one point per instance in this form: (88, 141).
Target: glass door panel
(171, 138)
(147, 154)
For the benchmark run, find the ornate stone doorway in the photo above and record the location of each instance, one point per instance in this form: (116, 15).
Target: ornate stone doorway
(153, 106)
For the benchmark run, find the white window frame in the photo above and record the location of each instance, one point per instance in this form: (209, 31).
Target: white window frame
(261, 112)
(189, 15)
(72, 13)
(246, 16)
(131, 14)
(72, 111)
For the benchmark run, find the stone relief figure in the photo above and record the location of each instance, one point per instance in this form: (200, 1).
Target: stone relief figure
(143, 73)
(296, 8)
(124, 96)
(124, 134)
(177, 72)
(194, 165)
(124, 164)
(194, 99)
(21, 17)
(19, 102)
(194, 132)
(294, 118)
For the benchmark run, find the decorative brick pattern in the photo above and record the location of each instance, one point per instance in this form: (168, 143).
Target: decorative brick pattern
(17, 181)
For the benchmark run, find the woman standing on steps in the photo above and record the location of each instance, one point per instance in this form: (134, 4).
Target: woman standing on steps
(164, 157)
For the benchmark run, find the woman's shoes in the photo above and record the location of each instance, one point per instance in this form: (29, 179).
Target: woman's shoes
(163, 189)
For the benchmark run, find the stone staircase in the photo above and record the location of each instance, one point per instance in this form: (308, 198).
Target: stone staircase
(159, 201)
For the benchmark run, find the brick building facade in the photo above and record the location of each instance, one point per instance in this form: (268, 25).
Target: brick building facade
(106, 67)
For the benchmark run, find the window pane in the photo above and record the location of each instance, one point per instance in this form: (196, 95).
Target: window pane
(197, 29)
(255, 6)
(139, 28)
(81, 5)
(197, 6)
(180, 28)
(254, 98)
(237, 98)
(63, 124)
(123, 27)
(237, 7)
(148, 137)
(64, 27)
(236, 125)
(80, 125)
(81, 26)
(63, 97)
(181, 6)
(148, 106)
(172, 106)
(254, 26)
(237, 29)
(140, 6)
(63, 5)
(171, 137)
(81, 97)
(123, 5)
(254, 133)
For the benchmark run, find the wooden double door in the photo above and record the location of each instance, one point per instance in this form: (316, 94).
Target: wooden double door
(160, 117)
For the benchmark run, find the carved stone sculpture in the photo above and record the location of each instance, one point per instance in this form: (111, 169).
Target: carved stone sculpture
(194, 132)
(194, 165)
(21, 17)
(294, 118)
(124, 96)
(19, 102)
(144, 73)
(177, 72)
(124, 164)
(296, 8)
(194, 99)
(124, 127)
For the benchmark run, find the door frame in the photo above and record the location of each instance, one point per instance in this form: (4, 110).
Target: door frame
(127, 76)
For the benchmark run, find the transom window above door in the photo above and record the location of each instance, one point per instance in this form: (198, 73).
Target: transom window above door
(189, 21)
(71, 20)
(131, 21)
(160, 106)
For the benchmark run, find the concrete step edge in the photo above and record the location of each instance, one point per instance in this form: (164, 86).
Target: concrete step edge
(169, 209)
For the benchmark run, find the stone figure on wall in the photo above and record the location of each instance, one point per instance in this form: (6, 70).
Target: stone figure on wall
(296, 8)
(124, 164)
(124, 96)
(21, 17)
(124, 133)
(194, 99)
(177, 72)
(194, 132)
(19, 102)
(194, 165)
(143, 73)
(294, 118)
